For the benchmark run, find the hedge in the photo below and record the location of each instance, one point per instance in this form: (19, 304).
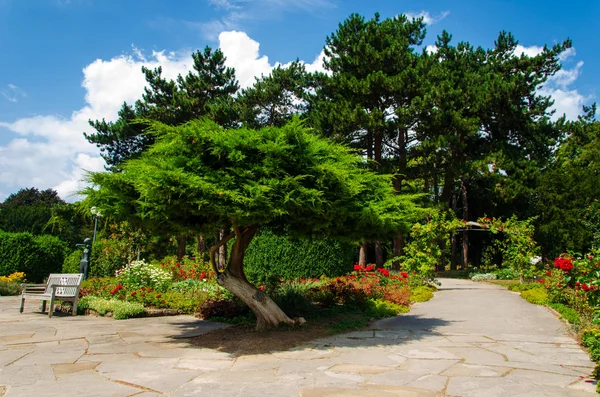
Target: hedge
(36, 256)
(290, 257)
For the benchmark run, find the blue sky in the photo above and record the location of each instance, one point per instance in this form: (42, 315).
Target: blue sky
(65, 61)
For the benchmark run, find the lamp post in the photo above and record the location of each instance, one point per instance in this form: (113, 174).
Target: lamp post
(96, 213)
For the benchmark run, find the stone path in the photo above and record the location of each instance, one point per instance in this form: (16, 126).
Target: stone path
(470, 340)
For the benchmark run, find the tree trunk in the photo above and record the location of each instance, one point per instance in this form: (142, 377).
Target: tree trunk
(268, 314)
(362, 254)
(222, 250)
(181, 244)
(377, 149)
(398, 249)
(453, 259)
(465, 242)
(378, 255)
(201, 246)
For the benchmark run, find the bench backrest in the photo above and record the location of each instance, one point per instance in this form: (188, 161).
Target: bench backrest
(72, 281)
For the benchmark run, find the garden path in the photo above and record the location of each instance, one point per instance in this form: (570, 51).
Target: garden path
(472, 339)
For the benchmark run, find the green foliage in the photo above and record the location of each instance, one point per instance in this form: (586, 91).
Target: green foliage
(37, 256)
(378, 308)
(119, 309)
(296, 257)
(566, 312)
(506, 274)
(538, 296)
(424, 252)
(71, 262)
(8, 288)
(188, 301)
(422, 293)
(483, 276)
(523, 287)
(28, 210)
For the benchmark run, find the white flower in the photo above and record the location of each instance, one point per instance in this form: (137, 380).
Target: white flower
(535, 260)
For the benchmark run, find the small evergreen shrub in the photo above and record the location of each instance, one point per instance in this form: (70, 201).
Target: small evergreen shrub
(227, 309)
(293, 300)
(71, 262)
(381, 309)
(507, 274)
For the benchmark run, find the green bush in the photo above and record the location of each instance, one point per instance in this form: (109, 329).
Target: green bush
(293, 258)
(422, 293)
(37, 256)
(538, 296)
(507, 274)
(566, 312)
(378, 308)
(8, 288)
(523, 287)
(108, 256)
(71, 262)
(120, 310)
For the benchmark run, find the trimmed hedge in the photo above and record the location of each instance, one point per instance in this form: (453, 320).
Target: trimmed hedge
(291, 257)
(36, 256)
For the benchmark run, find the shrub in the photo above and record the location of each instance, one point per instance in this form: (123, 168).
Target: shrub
(399, 296)
(422, 293)
(120, 310)
(507, 274)
(9, 288)
(523, 287)
(71, 262)
(108, 256)
(566, 312)
(16, 277)
(381, 309)
(483, 276)
(186, 302)
(538, 296)
(37, 256)
(293, 258)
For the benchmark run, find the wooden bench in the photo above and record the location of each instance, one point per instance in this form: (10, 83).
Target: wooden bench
(62, 287)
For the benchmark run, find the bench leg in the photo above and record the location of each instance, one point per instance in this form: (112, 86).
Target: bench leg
(22, 304)
(75, 306)
(43, 306)
(51, 306)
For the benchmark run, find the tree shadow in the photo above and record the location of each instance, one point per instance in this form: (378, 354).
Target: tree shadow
(244, 340)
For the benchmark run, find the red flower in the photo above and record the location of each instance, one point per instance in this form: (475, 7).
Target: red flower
(541, 281)
(262, 288)
(158, 296)
(143, 288)
(548, 273)
(404, 274)
(133, 293)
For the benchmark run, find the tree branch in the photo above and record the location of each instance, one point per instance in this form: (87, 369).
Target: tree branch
(213, 249)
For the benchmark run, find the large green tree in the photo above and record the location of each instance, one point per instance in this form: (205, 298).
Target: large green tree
(201, 176)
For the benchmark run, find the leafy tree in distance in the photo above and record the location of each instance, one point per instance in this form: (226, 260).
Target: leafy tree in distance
(28, 210)
(201, 176)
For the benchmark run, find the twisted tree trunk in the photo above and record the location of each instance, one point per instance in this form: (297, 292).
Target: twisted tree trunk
(233, 278)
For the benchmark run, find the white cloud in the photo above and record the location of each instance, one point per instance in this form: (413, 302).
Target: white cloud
(567, 101)
(431, 48)
(428, 19)
(49, 151)
(528, 51)
(12, 93)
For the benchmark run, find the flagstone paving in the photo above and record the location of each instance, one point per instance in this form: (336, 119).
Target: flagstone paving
(470, 340)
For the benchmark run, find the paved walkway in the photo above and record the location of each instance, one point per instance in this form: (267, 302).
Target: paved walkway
(470, 340)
